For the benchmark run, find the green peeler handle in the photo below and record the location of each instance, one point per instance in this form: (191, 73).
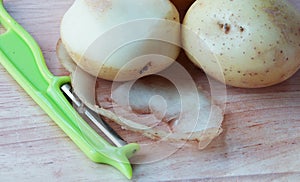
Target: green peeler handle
(23, 59)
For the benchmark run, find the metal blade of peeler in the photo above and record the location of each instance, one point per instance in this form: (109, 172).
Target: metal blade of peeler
(93, 117)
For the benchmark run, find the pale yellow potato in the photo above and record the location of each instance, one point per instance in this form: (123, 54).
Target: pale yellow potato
(122, 40)
(249, 43)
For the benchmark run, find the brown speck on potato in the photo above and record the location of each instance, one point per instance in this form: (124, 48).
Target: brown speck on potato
(227, 28)
(221, 25)
(145, 68)
(242, 29)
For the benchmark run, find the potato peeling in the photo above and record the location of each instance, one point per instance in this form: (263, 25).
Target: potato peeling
(154, 106)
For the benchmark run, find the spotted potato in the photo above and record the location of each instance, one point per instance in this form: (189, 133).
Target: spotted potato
(249, 43)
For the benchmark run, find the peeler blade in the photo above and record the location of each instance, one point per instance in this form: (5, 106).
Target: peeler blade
(93, 117)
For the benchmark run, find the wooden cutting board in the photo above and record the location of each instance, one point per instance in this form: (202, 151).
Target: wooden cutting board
(261, 138)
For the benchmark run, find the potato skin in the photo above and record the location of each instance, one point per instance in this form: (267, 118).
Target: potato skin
(249, 43)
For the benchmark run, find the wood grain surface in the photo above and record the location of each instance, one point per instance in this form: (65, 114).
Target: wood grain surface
(260, 142)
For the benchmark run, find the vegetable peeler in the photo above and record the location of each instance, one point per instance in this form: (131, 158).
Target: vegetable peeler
(23, 59)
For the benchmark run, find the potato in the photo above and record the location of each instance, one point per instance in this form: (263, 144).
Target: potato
(121, 40)
(249, 43)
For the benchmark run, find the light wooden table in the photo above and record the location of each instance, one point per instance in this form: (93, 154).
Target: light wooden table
(261, 138)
